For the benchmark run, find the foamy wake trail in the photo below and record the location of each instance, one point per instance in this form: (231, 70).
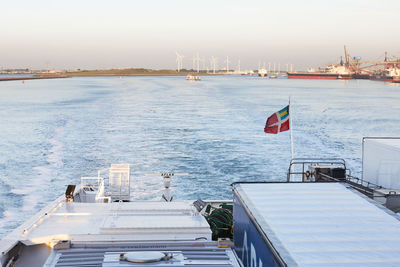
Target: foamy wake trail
(33, 191)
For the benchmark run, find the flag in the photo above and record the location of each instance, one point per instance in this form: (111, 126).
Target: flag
(278, 122)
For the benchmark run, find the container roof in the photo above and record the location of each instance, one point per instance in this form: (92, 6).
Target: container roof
(391, 142)
(329, 224)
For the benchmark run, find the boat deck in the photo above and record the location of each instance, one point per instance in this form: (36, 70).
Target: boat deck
(140, 220)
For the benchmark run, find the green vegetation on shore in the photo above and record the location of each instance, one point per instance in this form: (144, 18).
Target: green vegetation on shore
(132, 72)
(123, 72)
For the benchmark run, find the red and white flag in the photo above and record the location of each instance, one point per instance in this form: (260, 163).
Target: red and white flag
(278, 122)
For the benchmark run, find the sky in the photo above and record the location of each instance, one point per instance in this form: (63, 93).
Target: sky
(89, 34)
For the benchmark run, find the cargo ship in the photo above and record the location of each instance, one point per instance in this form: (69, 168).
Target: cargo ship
(362, 75)
(332, 72)
(319, 215)
(350, 68)
(391, 73)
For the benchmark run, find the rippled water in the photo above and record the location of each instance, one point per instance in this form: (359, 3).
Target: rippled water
(52, 132)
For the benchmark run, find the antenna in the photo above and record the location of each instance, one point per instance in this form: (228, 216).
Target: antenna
(167, 183)
(239, 65)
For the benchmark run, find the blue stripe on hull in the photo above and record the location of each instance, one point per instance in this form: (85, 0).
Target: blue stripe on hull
(249, 244)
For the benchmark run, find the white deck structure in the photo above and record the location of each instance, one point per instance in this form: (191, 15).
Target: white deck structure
(324, 224)
(308, 224)
(381, 162)
(97, 223)
(117, 221)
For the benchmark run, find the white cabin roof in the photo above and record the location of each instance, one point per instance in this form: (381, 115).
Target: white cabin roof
(139, 220)
(324, 224)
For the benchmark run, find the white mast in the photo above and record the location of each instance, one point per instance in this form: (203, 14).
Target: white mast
(179, 60)
(213, 63)
(291, 129)
(198, 62)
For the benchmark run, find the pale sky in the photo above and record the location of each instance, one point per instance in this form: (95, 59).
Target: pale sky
(117, 34)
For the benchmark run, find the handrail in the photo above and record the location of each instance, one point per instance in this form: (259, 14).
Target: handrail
(99, 180)
(363, 182)
(310, 161)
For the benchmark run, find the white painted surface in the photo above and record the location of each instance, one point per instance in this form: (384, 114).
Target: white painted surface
(325, 224)
(147, 220)
(381, 162)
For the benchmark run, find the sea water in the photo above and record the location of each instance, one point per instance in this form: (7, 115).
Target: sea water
(52, 132)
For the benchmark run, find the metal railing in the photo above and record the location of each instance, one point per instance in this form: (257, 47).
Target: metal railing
(358, 184)
(313, 161)
(91, 182)
(364, 187)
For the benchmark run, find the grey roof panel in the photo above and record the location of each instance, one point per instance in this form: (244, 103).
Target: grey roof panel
(195, 255)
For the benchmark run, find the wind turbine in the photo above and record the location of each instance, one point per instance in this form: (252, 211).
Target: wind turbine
(227, 64)
(179, 60)
(198, 62)
(213, 62)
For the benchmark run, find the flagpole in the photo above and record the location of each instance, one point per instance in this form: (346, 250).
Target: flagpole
(291, 129)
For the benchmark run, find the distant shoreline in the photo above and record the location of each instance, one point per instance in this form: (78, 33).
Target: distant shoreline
(35, 77)
(135, 72)
(106, 73)
(142, 74)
